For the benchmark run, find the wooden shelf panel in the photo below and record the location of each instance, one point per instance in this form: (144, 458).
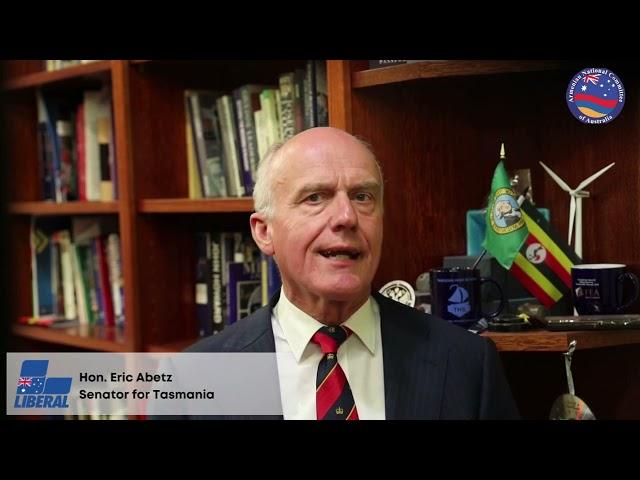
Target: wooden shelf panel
(186, 205)
(66, 208)
(101, 68)
(446, 68)
(171, 347)
(546, 341)
(105, 339)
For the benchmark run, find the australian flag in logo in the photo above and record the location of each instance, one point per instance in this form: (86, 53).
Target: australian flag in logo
(33, 380)
(32, 377)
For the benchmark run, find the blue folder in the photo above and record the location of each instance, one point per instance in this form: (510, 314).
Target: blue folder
(476, 227)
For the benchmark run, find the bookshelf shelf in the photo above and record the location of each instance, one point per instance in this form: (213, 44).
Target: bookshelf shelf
(99, 69)
(105, 339)
(171, 347)
(435, 69)
(546, 341)
(67, 208)
(185, 205)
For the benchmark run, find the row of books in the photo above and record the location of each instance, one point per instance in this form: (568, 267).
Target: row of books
(53, 65)
(76, 146)
(233, 279)
(77, 270)
(228, 134)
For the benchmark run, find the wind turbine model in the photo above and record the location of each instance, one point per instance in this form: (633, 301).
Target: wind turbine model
(575, 209)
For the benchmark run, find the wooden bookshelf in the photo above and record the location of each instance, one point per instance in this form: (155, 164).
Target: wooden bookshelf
(100, 69)
(185, 205)
(25, 195)
(547, 341)
(457, 68)
(67, 208)
(102, 339)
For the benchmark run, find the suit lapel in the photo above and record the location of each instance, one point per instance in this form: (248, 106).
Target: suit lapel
(414, 365)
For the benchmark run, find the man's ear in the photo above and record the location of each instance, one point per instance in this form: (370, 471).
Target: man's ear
(261, 232)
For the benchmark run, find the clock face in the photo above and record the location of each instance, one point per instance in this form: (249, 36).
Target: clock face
(400, 291)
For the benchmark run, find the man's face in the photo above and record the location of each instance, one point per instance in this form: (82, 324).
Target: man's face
(327, 227)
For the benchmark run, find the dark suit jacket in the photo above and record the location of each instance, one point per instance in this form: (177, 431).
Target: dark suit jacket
(432, 369)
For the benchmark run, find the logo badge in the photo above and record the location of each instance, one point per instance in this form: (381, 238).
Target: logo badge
(536, 253)
(36, 390)
(506, 216)
(595, 95)
(400, 291)
(458, 301)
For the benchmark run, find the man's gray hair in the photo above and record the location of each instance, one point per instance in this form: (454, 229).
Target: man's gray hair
(263, 191)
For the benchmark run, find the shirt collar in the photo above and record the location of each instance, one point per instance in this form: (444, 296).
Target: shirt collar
(298, 327)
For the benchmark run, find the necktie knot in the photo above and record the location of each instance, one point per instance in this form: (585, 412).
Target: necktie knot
(330, 338)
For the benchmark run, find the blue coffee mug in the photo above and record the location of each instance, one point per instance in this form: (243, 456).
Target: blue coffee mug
(598, 288)
(455, 295)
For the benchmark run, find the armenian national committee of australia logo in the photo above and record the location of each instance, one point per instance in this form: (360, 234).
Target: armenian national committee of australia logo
(595, 95)
(506, 216)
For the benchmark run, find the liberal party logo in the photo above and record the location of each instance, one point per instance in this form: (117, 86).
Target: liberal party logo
(595, 95)
(36, 390)
(506, 216)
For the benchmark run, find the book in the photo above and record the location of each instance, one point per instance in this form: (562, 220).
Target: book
(230, 146)
(193, 171)
(287, 120)
(208, 143)
(250, 104)
(244, 291)
(204, 289)
(104, 152)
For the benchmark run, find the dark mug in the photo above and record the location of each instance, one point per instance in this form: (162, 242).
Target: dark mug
(455, 295)
(598, 288)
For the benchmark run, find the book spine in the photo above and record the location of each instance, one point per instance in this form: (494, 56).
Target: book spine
(105, 284)
(216, 282)
(81, 153)
(251, 103)
(247, 180)
(322, 94)
(203, 298)
(115, 277)
(198, 141)
(195, 182)
(310, 104)
(287, 119)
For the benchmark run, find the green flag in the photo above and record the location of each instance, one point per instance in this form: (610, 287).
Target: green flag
(506, 229)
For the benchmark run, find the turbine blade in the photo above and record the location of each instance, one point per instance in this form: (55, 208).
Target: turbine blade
(572, 216)
(594, 176)
(558, 180)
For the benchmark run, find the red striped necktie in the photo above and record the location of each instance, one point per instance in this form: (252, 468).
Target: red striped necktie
(334, 400)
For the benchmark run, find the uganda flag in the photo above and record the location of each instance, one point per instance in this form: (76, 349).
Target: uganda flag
(543, 264)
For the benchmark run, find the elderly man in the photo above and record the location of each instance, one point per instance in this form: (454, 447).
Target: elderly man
(345, 352)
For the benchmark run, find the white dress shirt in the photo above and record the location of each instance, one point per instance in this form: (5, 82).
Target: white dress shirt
(360, 357)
